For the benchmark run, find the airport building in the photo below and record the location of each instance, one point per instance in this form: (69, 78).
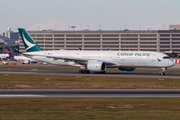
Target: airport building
(10, 34)
(8, 39)
(6, 43)
(129, 40)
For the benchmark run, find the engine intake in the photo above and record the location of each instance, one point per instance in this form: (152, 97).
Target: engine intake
(96, 66)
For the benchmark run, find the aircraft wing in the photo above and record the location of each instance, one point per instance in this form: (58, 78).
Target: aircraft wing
(82, 61)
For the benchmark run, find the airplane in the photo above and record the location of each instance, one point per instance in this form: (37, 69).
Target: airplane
(96, 61)
(3, 56)
(25, 60)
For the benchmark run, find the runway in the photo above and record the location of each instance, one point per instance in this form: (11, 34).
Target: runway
(107, 74)
(85, 93)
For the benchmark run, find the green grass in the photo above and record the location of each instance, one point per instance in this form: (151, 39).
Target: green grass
(9, 81)
(90, 108)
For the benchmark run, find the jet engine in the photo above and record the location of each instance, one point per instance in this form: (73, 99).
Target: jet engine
(96, 66)
(127, 68)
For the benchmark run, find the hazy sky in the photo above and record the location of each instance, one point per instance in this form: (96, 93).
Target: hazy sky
(91, 14)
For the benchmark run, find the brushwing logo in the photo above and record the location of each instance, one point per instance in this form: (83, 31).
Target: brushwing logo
(30, 45)
(158, 60)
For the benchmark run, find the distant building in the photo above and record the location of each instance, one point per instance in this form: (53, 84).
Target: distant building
(8, 39)
(6, 43)
(2, 45)
(131, 40)
(10, 34)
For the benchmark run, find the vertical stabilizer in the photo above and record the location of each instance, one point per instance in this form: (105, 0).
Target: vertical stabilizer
(11, 56)
(29, 44)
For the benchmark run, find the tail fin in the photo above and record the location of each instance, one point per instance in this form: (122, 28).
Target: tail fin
(11, 56)
(29, 44)
(10, 53)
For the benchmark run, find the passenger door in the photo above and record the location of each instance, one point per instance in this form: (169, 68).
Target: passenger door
(153, 57)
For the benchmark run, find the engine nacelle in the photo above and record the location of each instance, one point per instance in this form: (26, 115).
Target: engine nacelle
(96, 66)
(26, 62)
(127, 68)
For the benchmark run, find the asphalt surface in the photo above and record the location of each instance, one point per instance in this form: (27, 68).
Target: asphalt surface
(19, 64)
(85, 93)
(107, 74)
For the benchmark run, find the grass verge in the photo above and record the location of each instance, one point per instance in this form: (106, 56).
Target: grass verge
(90, 108)
(9, 81)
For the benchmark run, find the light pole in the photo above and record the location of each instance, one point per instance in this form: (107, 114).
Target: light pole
(55, 27)
(73, 35)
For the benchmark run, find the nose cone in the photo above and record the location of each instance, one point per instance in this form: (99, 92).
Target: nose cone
(171, 63)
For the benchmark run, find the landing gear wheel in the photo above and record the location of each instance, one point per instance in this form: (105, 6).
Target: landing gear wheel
(84, 71)
(162, 73)
(80, 71)
(87, 71)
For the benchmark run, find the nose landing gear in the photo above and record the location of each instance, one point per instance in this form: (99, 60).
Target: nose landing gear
(163, 71)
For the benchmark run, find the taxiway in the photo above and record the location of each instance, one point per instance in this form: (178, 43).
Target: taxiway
(107, 74)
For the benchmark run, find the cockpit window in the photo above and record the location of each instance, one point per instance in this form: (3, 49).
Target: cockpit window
(166, 57)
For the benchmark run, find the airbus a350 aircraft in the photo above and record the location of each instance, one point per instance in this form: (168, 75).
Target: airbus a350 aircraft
(96, 61)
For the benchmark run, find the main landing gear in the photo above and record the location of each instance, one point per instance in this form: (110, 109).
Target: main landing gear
(84, 71)
(163, 71)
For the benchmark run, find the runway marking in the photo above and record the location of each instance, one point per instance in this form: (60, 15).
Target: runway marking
(88, 93)
(22, 95)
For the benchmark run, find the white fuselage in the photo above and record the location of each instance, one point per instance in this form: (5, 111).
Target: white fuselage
(2, 56)
(117, 58)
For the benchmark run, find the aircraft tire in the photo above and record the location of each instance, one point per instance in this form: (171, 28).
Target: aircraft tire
(84, 71)
(80, 71)
(87, 71)
(162, 73)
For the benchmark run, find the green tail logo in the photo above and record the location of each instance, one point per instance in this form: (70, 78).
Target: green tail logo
(29, 44)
